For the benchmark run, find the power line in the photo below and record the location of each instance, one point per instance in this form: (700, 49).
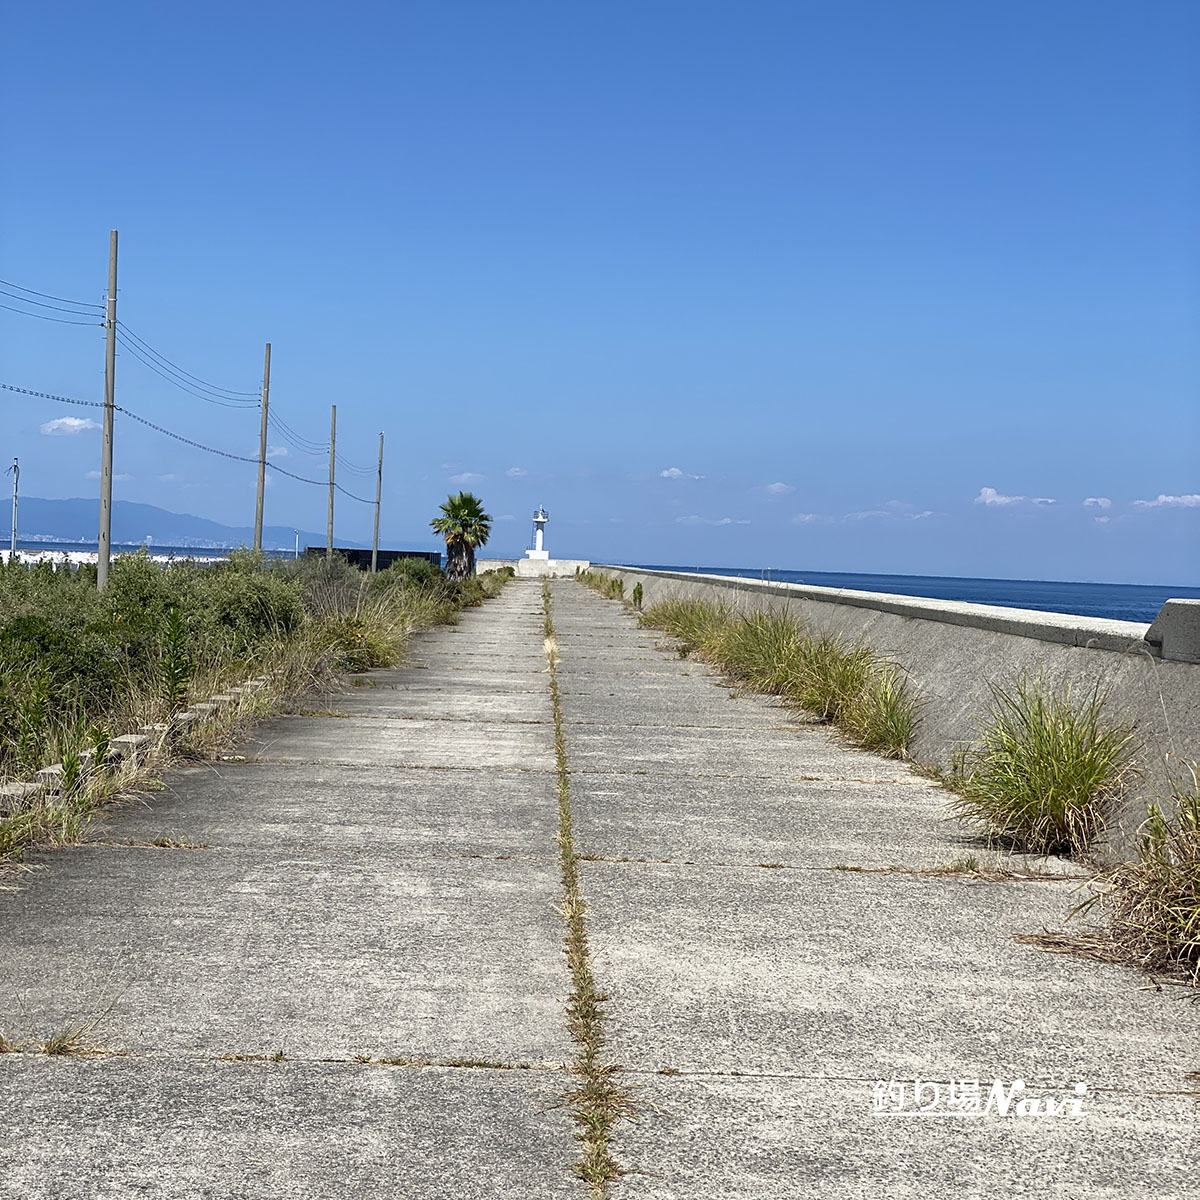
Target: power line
(47, 296)
(354, 468)
(151, 365)
(8, 387)
(294, 439)
(352, 496)
(74, 310)
(57, 320)
(175, 367)
(180, 438)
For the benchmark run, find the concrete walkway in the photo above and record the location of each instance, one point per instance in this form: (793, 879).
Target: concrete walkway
(378, 881)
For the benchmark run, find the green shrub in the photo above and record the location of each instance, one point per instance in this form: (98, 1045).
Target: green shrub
(71, 661)
(407, 572)
(1045, 769)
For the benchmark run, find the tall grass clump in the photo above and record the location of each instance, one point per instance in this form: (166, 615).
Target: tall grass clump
(696, 624)
(607, 585)
(1045, 770)
(1153, 903)
(771, 651)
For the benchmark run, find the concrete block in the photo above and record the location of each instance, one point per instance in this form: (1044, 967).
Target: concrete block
(552, 568)
(50, 778)
(203, 711)
(223, 699)
(129, 745)
(1175, 633)
(16, 796)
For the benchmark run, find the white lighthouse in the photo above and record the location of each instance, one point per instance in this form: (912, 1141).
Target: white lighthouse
(538, 550)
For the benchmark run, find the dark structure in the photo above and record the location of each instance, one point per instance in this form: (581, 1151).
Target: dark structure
(362, 558)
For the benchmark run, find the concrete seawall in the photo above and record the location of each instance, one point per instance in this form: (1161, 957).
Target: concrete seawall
(953, 652)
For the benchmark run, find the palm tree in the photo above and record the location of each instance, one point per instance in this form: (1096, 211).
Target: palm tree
(464, 525)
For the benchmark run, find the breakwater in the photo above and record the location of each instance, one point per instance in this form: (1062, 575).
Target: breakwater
(953, 652)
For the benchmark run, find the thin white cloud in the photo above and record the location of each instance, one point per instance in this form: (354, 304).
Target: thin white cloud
(467, 477)
(676, 473)
(870, 514)
(277, 452)
(68, 426)
(516, 472)
(1097, 502)
(168, 478)
(693, 519)
(1103, 520)
(778, 489)
(1190, 501)
(506, 517)
(994, 498)
(116, 478)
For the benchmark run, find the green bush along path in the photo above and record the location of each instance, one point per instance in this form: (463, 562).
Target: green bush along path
(405, 942)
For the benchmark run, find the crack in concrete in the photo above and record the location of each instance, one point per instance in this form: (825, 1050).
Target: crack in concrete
(598, 1103)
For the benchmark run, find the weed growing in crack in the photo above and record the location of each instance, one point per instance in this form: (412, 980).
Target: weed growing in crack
(597, 1101)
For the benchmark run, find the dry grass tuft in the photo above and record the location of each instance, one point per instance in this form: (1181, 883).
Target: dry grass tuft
(1153, 903)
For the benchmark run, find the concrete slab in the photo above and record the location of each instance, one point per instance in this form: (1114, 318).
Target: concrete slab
(416, 743)
(344, 810)
(178, 1129)
(781, 1139)
(860, 976)
(325, 955)
(445, 703)
(768, 753)
(803, 823)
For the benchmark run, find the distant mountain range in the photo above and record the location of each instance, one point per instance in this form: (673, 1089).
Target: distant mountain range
(78, 520)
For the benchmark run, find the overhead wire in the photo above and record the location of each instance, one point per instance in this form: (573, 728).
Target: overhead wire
(231, 393)
(47, 296)
(99, 321)
(151, 365)
(80, 310)
(179, 437)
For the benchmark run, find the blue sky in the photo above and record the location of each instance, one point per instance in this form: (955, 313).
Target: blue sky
(856, 286)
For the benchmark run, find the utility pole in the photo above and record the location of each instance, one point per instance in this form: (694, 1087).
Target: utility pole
(104, 541)
(378, 494)
(262, 451)
(332, 451)
(16, 470)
